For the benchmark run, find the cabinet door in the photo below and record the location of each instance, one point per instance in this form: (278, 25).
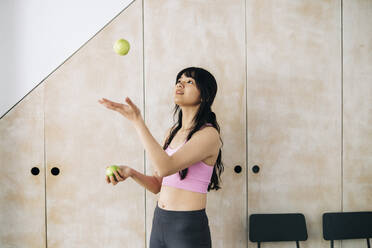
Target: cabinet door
(22, 178)
(357, 128)
(294, 111)
(207, 34)
(83, 137)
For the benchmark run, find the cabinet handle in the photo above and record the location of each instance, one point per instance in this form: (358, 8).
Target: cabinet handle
(35, 171)
(237, 169)
(54, 171)
(255, 169)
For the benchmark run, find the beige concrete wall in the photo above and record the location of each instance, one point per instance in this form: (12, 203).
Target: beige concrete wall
(289, 100)
(82, 137)
(357, 110)
(22, 194)
(294, 110)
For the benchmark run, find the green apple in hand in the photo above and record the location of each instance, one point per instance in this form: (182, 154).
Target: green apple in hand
(110, 171)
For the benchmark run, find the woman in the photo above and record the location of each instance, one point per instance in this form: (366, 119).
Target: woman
(186, 167)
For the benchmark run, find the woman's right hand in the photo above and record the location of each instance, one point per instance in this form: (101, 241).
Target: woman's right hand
(122, 173)
(129, 110)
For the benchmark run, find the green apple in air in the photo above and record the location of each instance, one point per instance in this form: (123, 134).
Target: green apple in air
(121, 47)
(110, 171)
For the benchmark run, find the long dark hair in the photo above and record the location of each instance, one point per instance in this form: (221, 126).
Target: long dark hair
(207, 86)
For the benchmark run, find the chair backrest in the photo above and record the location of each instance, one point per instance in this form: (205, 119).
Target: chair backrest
(347, 225)
(277, 227)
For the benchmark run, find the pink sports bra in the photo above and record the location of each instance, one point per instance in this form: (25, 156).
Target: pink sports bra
(198, 176)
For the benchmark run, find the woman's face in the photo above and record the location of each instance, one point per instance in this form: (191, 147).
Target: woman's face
(190, 94)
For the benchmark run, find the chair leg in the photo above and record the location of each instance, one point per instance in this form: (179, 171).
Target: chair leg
(258, 245)
(297, 244)
(331, 243)
(368, 244)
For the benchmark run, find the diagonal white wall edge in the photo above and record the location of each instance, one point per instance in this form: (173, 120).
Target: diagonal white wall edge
(37, 36)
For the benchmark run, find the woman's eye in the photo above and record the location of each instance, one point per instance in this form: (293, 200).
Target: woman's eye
(188, 81)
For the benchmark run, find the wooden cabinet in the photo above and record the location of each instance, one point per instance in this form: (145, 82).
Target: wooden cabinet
(22, 184)
(82, 137)
(292, 102)
(357, 111)
(294, 111)
(69, 203)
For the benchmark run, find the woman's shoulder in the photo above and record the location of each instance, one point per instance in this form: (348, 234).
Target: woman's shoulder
(210, 129)
(207, 125)
(212, 133)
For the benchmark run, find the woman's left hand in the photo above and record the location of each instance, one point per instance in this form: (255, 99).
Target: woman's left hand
(130, 110)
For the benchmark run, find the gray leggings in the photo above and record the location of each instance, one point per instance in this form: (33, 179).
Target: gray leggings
(180, 229)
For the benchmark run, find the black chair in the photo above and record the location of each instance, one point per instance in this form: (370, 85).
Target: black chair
(347, 225)
(277, 227)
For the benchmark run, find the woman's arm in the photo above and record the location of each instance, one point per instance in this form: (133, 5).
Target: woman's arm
(149, 182)
(160, 159)
(158, 156)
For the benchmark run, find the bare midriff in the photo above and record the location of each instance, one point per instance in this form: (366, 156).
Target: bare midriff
(176, 199)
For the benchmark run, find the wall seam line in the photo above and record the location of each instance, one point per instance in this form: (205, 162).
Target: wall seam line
(45, 173)
(144, 104)
(342, 111)
(246, 122)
